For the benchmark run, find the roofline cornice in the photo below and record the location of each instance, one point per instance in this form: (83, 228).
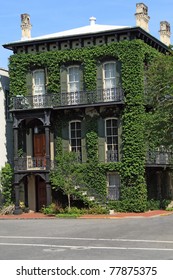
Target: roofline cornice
(137, 32)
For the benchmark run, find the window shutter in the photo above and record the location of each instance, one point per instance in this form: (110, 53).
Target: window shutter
(46, 79)
(65, 139)
(101, 140)
(29, 83)
(81, 78)
(83, 143)
(119, 139)
(63, 79)
(118, 73)
(99, 77)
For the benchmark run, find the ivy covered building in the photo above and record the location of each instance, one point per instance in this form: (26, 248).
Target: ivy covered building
(82, 90)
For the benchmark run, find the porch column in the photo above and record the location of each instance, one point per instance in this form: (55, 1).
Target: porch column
(17, 210)
(48, 186)
(15, 134)
(48, 194)
(159, 193)
(47, 135)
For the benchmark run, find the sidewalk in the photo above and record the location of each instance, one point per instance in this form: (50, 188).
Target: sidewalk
(37, 215)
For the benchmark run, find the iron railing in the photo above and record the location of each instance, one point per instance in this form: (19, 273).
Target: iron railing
(159, 157)
(111, 156)
(31, 163)
(21, 102)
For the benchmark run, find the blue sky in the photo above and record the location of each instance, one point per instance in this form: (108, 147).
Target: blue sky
(57, 15)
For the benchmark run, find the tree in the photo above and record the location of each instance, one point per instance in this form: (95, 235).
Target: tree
(159, 100)
(6, 177)
(66, 175)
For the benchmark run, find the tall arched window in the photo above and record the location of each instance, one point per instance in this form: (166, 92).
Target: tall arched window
(73, 81)
(109, 81)
(111, 137)
(75, 137)
(38, 88)
(38, 82)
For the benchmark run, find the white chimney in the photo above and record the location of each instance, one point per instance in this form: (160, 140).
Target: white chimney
(142, 17)
(92, 20)
(25, 26)
(165, 33)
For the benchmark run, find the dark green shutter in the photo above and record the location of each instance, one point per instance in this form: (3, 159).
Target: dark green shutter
(63, 79)
(118, 73)
(99, 82)
(101, 139)
(65, 138)
(46, 79)
(81, 78)
(29, 83)
(83, 142)
(120, 139)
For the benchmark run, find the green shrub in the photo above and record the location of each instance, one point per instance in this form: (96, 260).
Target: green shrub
(157, 204)
(52, 209)
(6, 179)
(98, 210)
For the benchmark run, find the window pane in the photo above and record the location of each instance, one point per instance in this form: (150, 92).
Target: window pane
(75, 137)
(73, 79)
(39, 82)
(113, 186)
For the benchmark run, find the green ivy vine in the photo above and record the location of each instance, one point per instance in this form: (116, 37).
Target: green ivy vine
(133, 54)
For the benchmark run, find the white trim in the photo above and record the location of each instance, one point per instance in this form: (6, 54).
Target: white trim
(105, 127)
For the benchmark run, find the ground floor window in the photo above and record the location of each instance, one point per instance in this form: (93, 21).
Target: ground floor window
(113, 180)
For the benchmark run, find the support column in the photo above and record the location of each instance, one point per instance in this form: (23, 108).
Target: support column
(159, 193)
(47, 135)
(48, 165)
(48, 193)
(17, 210)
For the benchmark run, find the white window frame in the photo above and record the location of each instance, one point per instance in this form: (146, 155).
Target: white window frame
(78, 148)
(109, 92)
(113, 191)
(114, 150)
(38, 90)
(73, 94)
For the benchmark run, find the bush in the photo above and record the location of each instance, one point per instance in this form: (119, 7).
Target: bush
(157, 204)
(6, 178)
(116, 205)
(153, 204)
(98, 210)
(8, 210)
(52, 209)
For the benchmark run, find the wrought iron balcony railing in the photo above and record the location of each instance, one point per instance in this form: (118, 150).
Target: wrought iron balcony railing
(159, 157)
(111, 156)
(21, 102)
(31, 163)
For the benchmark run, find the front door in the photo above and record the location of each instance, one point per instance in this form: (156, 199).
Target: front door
(39, 150)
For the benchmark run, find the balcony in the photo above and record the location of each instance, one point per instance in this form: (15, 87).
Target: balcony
(113, 95)
(111, 156)
(30, 163)
(160, 157)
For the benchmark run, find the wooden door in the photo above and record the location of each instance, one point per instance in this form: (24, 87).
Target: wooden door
(40, 150)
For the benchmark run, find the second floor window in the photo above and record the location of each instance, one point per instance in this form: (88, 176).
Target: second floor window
(38, 82)
(75, 138)
(38, 88)
(73, 80)
(109, 81)
(111, 133)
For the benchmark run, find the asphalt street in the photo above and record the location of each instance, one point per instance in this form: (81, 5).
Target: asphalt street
(85, 239)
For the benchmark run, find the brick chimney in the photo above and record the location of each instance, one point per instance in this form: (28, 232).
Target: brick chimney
(165, 32)
(25, 26)
(142, 17)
